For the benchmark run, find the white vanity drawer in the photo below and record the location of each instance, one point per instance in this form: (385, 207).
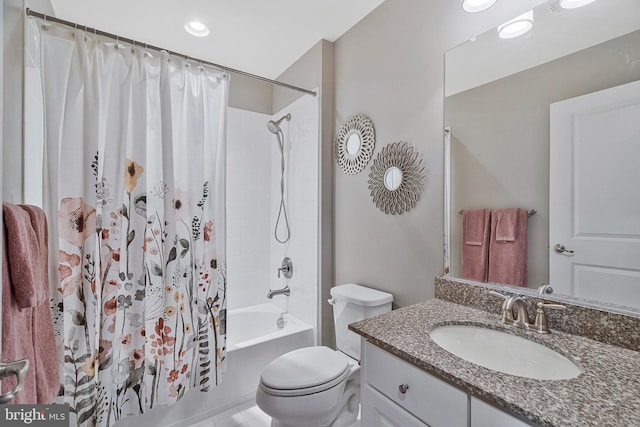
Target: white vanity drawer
(430, 399)
(380, 411)
(485, 415)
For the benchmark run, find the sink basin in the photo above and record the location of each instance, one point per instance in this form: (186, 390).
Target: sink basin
(504, 352)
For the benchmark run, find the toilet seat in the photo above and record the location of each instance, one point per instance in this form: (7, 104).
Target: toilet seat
(304, 371)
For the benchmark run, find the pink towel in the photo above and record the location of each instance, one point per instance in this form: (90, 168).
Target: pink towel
(28, 331)
(44, 344)
(475, 244)
(508, 258)
(507, 226)
(23, 251)
(16, 335)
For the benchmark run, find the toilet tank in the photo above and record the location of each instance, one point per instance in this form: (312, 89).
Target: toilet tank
(352, 303)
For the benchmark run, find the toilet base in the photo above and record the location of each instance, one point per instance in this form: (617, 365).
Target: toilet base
(347, 414)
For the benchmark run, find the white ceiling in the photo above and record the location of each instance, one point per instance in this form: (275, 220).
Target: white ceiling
(262, 37)
(556, 32)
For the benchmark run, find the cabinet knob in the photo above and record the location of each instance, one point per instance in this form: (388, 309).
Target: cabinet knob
(402, 388)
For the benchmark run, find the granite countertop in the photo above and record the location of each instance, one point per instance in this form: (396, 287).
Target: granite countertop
(606, 393)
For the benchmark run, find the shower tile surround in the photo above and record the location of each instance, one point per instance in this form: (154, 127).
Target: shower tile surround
(301, 198)
(248, 207)
(605, 347)
(253, 200)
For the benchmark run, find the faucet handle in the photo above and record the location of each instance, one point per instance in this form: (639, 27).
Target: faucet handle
(552, 306)
(498, 294)
(506, 317)
(540, 324)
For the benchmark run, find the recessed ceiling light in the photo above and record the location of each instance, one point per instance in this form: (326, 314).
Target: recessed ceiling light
(574, 4)
(473, 6)
(196, 28)
(517, 26)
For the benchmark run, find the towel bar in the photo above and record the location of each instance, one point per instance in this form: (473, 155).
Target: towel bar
(530, 212)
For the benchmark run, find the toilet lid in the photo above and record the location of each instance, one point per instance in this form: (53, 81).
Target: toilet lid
(303, 368)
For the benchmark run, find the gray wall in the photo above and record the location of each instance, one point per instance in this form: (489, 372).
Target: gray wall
(500, 142)
(390, 68)
(250, 94)
(13, 35)
(314, 70)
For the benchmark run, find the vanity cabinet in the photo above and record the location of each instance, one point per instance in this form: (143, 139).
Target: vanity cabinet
(382, 412)
(396, 393)
(485, 415)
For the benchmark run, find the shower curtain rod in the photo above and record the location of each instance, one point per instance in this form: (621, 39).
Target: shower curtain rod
(159, 49)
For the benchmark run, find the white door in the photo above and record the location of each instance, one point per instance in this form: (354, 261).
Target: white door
(594, 223)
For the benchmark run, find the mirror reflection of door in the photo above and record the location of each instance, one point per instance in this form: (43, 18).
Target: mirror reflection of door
(594, 221)
(497, 104)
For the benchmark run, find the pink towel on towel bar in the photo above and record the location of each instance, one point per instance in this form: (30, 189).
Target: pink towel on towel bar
(23, 251)
(507, 226)
(475, 244)
(17, 335)
(44, 343)
(28, 331)
(508, 258)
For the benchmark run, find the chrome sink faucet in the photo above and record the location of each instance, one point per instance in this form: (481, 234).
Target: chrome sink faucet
(521, 318)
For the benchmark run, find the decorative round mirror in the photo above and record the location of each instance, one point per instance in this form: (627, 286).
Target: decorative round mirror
(355, 144)
(396, 180)
(393, 178)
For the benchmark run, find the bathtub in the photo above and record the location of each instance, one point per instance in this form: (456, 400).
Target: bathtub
(253, 340)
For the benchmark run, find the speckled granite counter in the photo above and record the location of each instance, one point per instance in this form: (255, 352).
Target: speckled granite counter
(606, 393)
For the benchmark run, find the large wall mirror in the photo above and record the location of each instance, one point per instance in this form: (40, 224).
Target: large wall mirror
(550, 121)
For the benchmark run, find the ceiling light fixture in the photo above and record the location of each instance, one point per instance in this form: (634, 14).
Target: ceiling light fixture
(473, 6)
(574, 4)
(517, 26)
(196, 28)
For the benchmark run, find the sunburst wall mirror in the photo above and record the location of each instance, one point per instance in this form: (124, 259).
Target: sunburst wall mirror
(397, 178)
(355, 143)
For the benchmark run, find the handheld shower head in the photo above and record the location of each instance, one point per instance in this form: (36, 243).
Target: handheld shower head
(274, 127)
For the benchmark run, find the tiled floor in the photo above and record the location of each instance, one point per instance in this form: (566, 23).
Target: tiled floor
(247, 415)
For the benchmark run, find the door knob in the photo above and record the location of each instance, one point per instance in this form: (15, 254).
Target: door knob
(560, 249)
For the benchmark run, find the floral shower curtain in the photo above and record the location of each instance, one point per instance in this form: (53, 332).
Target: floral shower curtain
(134, 178)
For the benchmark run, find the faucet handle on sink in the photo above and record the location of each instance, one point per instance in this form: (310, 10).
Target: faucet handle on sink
(505, 298)
(498, 294)
(552, 306)
(540, 324)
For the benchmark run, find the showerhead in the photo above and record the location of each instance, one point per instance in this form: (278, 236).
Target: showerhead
(274, 127)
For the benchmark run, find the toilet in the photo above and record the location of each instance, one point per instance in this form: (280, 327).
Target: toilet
(318, 386)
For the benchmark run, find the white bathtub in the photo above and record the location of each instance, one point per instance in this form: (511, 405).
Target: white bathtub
(253, 340)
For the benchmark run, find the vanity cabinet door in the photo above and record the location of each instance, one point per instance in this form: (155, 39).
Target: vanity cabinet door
(430, 399)
(379, 411)
(485, 415)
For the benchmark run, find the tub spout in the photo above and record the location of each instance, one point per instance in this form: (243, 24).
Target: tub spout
(284, 291)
